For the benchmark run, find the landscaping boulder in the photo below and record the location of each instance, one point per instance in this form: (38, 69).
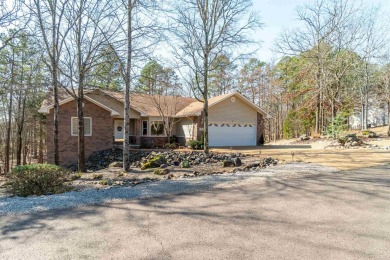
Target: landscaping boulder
(304, 138)
(237, 162)
(161, 171)
(372, 135)
(227, 163)
(175, 163)
(115, 164)
(154, 162)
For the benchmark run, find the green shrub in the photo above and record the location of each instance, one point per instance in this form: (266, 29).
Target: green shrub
(97, 176)
(76, 176)
(170, 146)
(158, 171)
(298, 122)
(194, 144)
(173, 139)
(337, 125)
(342, 140)
(107, 182)
(38, 179)
(185, 164)
(261, 140)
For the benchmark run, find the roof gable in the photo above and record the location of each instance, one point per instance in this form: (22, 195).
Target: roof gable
(147, 105)
(196, 108)
(65, 97)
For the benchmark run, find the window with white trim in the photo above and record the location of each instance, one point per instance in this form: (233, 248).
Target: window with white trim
(156, 128)
(87, 126)
(145, 127)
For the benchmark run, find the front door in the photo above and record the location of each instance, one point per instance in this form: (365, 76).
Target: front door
(119, 129)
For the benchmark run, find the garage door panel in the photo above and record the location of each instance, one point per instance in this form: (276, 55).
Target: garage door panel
(222, 135)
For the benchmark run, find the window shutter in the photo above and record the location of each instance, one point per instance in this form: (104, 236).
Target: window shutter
(87, 126)
(75, 126)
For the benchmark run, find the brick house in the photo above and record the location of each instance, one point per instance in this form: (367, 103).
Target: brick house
(233, 121)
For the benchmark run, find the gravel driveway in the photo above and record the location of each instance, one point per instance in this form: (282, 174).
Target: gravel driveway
(337, 215)
(16, 205)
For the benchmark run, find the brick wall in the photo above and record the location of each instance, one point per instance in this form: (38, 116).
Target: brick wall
(153, 141)
(198, 123)
(102, 132)
(260, 127)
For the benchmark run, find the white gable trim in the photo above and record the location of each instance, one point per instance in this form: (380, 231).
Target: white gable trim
(244, 99)
(45, 110)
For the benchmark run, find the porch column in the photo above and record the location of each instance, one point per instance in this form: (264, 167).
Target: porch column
(137, 131)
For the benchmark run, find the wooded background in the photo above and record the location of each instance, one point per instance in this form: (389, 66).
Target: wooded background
(334, 67)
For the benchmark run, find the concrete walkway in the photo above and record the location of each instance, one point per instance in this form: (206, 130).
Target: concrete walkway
(336, 216)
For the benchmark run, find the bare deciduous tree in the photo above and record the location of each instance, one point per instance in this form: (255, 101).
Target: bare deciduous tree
(9, 10)
(139, 31)
(91, 31)
(52, 32)
(205, 29)
(325, 23)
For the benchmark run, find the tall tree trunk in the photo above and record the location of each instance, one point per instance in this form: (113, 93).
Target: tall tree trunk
(388, 117)
(19, 141)
(54, 67)
(318, 115)
(126, 139)
(366, 112)
(80, 101)
(8, 137)
(56, 120)
(81, 141)
(205, 105)
(40, 152)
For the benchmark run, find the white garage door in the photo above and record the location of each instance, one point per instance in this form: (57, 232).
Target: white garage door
(232, 134)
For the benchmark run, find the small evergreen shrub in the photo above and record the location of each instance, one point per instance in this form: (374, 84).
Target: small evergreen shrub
(75, 176)
(185, 164)
(106, 182)
(194, 144)
(158, 171)
(342, 140)
(38, 179)
(337, 125)
(120, 174)
(173, 139)
(97, 176)
(170, 146)
(261, 140)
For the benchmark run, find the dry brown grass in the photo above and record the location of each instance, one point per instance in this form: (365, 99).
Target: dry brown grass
(342, 159)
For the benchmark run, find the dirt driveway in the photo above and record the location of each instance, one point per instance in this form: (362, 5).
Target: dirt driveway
(345, 215)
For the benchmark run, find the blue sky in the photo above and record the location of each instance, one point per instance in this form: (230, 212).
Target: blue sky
(279, 14)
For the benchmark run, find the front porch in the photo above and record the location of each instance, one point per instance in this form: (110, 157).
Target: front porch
(140, 134)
